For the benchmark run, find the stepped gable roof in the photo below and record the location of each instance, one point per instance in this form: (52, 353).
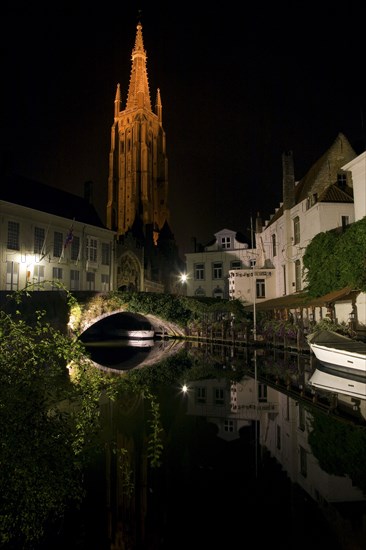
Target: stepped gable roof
(322, 175)
(324, 171)
(39, 196)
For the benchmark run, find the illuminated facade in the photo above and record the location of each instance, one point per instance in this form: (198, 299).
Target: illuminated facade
(322, 200)
(137, 206)
(49, 237)
(208, 270)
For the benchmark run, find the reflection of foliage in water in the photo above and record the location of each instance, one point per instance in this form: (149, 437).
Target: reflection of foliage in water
(339, 446)
(127, 473)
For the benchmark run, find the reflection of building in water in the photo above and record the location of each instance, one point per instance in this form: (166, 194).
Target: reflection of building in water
(286, 437)
(284, 427)
(231, 406)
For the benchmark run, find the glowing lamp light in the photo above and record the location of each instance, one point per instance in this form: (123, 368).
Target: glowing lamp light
(184, 388)
(183, 278)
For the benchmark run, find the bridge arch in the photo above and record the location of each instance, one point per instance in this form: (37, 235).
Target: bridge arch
(90, 309)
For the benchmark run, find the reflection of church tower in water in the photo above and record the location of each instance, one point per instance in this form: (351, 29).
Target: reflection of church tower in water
(137, 207)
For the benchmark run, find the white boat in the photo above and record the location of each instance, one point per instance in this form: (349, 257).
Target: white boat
(336, 381)
(131, 334)
(338, 351)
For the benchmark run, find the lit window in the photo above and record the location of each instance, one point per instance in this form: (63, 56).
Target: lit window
(38, 275)
(296, 230)
(39, 237)
(75, 249)
(74, 279)
(58, 243)
(274, 245)
(90, 280)
(56, 276)
(217, 270)
(13, 236)
(260, 285)
(105, 282)
(225, 242)
(106, 254)
(199, 272)
(91, 249)
(12, 276)
(201, 396)
(297, 275)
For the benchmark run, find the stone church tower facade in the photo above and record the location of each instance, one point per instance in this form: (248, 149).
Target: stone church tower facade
(137, 207)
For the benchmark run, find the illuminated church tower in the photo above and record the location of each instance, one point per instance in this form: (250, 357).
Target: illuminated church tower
(137, 207)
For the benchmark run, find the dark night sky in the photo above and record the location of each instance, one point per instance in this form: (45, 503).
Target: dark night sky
(237, 90)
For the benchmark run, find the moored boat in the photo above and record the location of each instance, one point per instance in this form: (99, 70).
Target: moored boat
(117, 332)
(338, 351)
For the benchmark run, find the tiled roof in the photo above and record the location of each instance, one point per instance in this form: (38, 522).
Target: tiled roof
(38, 196)
(335, 194)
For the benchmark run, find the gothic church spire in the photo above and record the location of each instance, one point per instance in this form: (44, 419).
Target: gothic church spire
(138, 92)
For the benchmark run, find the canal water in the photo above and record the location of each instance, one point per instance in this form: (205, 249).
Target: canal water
(253, 454)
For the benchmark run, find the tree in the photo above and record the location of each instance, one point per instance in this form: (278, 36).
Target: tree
(47, 422)
(334, 260)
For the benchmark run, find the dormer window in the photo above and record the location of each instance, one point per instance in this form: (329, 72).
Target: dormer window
(342, 181)
(225, 242)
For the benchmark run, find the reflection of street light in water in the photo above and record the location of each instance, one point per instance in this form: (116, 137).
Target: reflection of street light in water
(254, 303)
(256, 425)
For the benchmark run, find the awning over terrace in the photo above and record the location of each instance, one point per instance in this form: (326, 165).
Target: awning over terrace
(303, 301)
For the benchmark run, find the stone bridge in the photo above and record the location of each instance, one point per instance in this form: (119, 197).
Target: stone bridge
(91, 308)
(88, 308)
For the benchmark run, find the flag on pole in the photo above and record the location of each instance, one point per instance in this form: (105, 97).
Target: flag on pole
(69, 237)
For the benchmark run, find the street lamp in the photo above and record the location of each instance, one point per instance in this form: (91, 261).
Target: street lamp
(183, 277)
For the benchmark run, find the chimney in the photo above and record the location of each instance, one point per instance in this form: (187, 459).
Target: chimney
(288, 181)
(258, 223)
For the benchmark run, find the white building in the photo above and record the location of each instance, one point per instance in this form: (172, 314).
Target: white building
(357, 167)
(322, 200)
(208, 270)
(48, 236)
(331, 195)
